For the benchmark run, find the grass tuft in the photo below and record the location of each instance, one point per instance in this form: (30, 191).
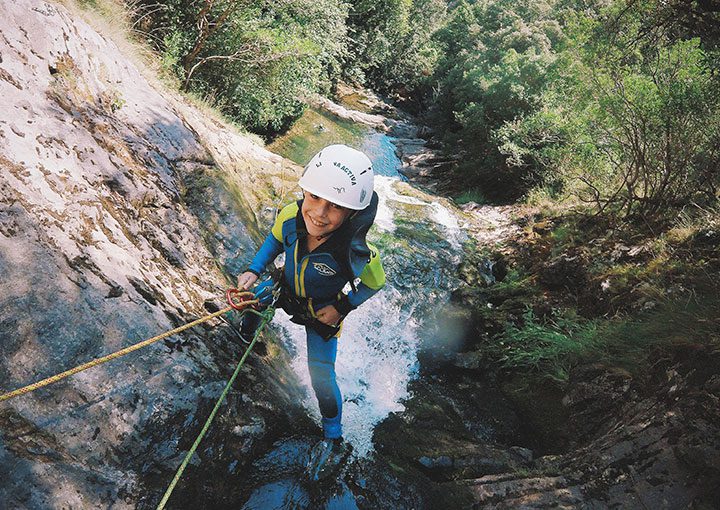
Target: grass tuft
(471, 195)
(551, 347)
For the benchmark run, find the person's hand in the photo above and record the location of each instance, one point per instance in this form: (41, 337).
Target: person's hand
(246, 280)
(328, 315)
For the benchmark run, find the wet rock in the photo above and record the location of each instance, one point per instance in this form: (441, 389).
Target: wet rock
(483, 271)
(381, 483)
(469, 360)
(102, 216)
(255, 428)
(473, 462)
(442, 462)
(115, 291)
(470, 206)
(523, 453)
(508, 492)
(376, 121)
(713, 385)
(146, 291)
(596, 392)
(278, 495)
(650, 450)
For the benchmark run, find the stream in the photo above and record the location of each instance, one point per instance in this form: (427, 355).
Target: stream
(421, 243)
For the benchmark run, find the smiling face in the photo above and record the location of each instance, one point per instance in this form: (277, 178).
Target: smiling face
(322, 216)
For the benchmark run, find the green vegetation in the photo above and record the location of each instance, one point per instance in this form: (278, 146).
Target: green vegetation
(390, 46)
(552, 346)
(255, 60)
(497, 58)
(471, 195)
(629, 300)
(609, 107)
(611, 103)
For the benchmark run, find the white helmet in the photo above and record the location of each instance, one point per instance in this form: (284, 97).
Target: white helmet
(341, 175)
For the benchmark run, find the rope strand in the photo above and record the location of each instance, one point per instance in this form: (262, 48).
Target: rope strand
(122, 352)
(267, 316)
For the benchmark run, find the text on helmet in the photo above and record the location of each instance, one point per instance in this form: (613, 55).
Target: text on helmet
(349, 173)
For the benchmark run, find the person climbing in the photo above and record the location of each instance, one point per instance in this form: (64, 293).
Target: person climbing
(323, 238)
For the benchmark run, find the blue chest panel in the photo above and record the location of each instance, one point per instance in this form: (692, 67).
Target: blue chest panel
(316, 275)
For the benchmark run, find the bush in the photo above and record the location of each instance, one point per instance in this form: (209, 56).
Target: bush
(255, 60)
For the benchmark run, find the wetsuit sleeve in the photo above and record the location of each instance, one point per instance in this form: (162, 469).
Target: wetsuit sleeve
(363, 294)
(270, 249)
(273, 245)
(372, 279)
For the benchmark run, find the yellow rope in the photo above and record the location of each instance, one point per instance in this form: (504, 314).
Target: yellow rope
(117, 354)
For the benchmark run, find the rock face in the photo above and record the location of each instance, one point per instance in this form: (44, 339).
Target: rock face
(123, 210)
(112, 215)
(632, 449)
(634, 444)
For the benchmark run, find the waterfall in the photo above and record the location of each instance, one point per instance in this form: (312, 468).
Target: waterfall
(377, 350)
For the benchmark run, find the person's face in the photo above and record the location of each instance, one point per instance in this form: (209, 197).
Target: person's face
(322, 216)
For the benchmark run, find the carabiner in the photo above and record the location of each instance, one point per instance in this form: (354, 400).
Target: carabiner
(244, 299)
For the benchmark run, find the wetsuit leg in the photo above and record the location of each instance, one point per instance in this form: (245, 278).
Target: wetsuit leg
(321, 363)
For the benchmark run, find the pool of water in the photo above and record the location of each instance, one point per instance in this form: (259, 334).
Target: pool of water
(317, 129)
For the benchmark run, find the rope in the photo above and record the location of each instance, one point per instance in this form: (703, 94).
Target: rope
(267, 316)
(238, 300)
(121, 352)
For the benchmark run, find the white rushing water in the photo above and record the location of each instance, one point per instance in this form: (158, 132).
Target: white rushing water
(376, 360)
(377, 350)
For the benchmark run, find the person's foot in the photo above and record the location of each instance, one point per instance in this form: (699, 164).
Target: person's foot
(326, 458)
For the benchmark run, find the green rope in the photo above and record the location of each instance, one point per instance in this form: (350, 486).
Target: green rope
(267, 316)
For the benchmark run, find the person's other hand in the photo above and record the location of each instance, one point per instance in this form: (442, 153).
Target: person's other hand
(328, 315)
(246, 280)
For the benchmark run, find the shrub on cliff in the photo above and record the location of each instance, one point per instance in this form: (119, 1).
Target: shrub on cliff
(254, 59)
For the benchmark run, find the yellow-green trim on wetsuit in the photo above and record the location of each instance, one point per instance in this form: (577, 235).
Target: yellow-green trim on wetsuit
(373, 275)
(295, 265)
(302, 277)
(289, 211)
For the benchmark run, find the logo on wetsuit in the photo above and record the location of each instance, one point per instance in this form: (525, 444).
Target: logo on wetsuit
(324, 269)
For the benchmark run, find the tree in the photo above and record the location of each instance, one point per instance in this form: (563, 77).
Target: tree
(497, 57)
(633, 118)
(255, 59)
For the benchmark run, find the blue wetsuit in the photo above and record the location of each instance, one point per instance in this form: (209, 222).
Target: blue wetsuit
(316, 279)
